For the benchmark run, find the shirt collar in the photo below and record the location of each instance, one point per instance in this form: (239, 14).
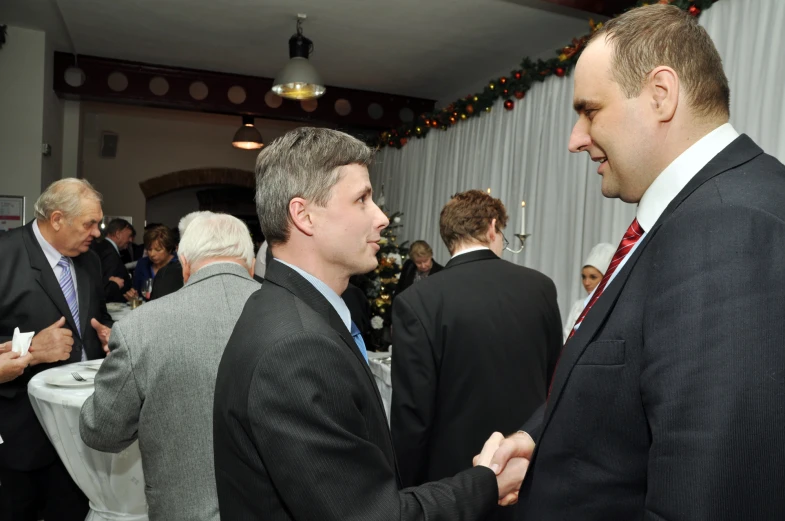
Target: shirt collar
(332, 297)
(52, 255)
(113, 244)
(469, 250)
(676, 176)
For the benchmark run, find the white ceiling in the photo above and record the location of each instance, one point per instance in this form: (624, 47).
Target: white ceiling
(436, 49)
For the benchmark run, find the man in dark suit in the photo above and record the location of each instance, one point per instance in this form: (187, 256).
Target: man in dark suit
(667, 402)
(115, 278)
(475, 346)
(300, 431)
(49, 284)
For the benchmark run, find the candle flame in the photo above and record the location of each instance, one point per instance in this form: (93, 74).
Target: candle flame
(523, 203)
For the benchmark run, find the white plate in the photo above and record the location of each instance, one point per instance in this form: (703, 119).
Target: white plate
(116, 306)
(92, 364)
(66, 380)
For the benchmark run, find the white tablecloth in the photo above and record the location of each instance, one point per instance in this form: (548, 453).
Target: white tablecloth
(118, 312)
(113, 483)
(380, 367)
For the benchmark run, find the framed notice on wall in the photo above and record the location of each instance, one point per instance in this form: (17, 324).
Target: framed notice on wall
(12, 212)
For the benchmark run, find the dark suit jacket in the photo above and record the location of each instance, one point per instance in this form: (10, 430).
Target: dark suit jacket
(473, 349)
(31, 299)
(112, 266)
(360, 309)
(300, 431)
(408, 272)
(668, 401)
(168, 280)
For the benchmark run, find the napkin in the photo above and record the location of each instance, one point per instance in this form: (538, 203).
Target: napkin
(21, 342)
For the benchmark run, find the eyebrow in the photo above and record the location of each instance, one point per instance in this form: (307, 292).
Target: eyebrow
(367, 192)
(580, 105)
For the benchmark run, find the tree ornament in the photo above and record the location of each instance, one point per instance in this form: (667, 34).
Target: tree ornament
(476, 99)
(509, 104)
(505, 93)
(463, 116)
(488, 108)
(452, 120)
(469, 110)
(694, 10)
(404, 141)
(418, 130)
(559, 71)
(519, 94)
(503, 80)
(492, 86)
(517, 75)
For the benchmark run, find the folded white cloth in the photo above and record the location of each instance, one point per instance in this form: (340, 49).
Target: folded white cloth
(21, 342)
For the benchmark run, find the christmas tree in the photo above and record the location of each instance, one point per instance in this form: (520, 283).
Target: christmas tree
(379, 285)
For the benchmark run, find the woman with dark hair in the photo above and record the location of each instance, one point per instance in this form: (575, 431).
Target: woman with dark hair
(159, 243)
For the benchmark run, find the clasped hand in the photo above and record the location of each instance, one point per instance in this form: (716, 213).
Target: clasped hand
(509, 459)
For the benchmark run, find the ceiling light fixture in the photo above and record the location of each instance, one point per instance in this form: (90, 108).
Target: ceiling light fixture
(299, 79)
(247, 137)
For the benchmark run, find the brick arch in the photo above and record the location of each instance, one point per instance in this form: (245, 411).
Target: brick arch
(196, 177)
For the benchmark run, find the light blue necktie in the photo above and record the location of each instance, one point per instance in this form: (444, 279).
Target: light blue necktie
(69, 292)
(358, 339)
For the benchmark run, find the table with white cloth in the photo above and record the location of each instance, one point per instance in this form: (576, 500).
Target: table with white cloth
(380, 367)
(118, 310)
(113, 483)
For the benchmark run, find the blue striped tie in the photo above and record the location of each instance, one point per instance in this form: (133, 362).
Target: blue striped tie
(358, 339)
(69, 292)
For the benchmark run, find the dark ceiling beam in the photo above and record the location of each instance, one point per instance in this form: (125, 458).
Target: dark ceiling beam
(369, 110)
(599, 9)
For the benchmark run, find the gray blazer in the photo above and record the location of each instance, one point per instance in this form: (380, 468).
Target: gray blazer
(157, 385)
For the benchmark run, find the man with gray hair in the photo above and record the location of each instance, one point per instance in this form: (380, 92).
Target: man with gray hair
(300, 429)
(50, 284)
(172, 347)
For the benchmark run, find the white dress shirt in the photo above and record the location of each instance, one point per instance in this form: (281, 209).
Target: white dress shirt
(469, 250)
(53, 257)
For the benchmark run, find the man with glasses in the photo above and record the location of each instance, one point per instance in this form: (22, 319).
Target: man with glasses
(475, 346)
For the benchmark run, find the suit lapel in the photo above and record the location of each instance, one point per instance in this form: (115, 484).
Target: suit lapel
(46, 276)
(740, 151)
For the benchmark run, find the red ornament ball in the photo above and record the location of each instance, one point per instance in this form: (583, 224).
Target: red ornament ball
(509, 104)
(503, 80)
(559, 72)
(505, 93)
(517, 75)
(404, 141)
(469, 109)
(694, 10)
(519, 94)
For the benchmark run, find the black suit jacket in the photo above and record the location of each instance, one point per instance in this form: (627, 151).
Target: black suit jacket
(112, 266)
(168, 280)
(300, 431)
(360, 309)
(473, 348)
(31, 299)
(408, 272)
(668, 401)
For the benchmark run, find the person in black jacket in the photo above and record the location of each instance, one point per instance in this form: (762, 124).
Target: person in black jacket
(419, 266)
(114, 277)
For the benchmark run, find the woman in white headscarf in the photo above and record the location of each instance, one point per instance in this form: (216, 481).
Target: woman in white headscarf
(591, 274)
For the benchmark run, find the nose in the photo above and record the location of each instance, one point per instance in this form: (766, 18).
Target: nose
(579, 138)
(381, 220)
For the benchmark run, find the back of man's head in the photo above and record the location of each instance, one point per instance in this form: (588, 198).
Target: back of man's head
(188, 219)
(304, 162)
(664, 35)
(216, 237)
(466, 217)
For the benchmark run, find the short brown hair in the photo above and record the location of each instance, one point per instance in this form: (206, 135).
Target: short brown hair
(161, 234)
(648, 37)
(420, 249)
(304, 162)
(467, 216)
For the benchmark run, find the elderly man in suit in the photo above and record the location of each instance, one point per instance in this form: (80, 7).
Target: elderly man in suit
(50, 284)
(667, 402)
(483, 331)
(157, 385)
(115, 278)
(300, 429)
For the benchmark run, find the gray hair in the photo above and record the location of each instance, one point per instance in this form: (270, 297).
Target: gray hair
(185, 221)
(216, 235)
(66, 196)
(304, 162)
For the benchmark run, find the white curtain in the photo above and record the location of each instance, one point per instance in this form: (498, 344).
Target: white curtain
(522, 155)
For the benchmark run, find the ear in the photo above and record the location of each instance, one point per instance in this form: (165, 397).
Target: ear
(186, 268)
(57, 220)
(491, 234)
(300, 215)
(663, 90)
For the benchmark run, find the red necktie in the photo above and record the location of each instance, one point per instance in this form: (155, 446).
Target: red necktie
(633, 235)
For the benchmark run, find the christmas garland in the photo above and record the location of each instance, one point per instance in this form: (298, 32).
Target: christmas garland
(514, 86)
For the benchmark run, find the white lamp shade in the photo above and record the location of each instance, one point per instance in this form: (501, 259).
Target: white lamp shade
(298, 80)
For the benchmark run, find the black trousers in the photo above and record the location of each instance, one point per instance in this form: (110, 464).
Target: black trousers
(47, 493)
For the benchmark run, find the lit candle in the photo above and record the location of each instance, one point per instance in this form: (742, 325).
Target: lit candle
(523, 217)
(489, 191)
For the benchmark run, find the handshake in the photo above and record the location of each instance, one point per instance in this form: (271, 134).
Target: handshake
(509, 459)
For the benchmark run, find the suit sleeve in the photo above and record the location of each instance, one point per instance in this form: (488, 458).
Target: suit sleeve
(554, 331)
(712, 378)
(109, 420)
(414, 377)
(313, 438)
